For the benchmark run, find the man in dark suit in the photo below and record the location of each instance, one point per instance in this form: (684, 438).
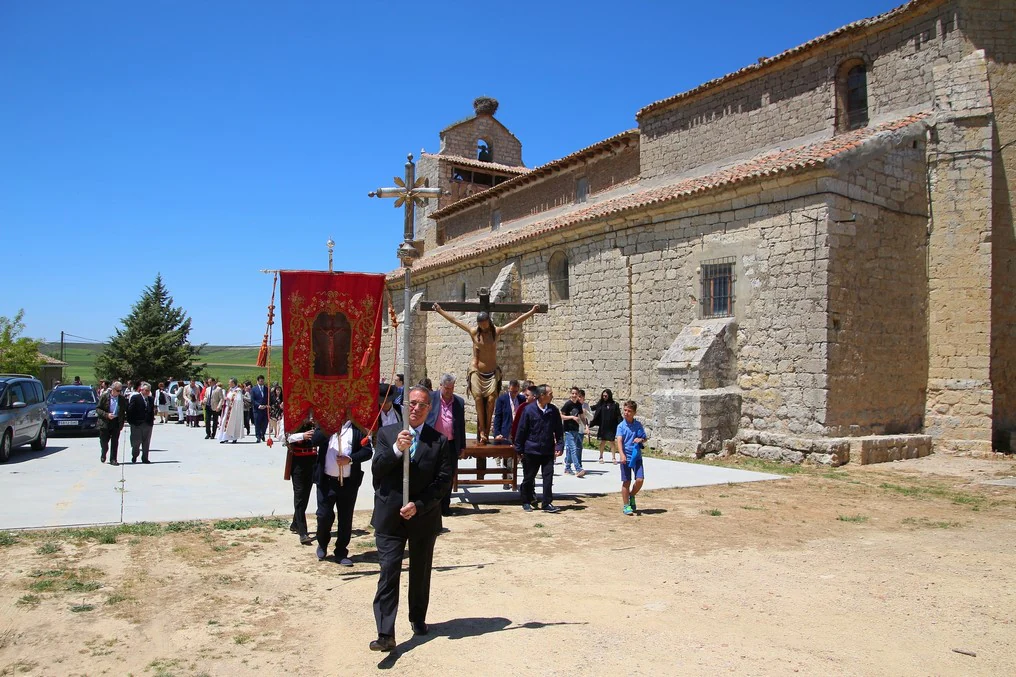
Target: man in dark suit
(340, 458)
(539, 438)
(448, 417)
(259, 404)
(111, 411)
(141, 416)
(504, 412)
(417, 519)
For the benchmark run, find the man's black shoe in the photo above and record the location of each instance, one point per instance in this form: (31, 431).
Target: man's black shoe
(306, 539)
(145, 460)
(383, 643)
(102, 459)
(208, 437)
(550, 507)
(113, 463)
(293, 529)
(134, 459)
(419, 628)
(527, 507)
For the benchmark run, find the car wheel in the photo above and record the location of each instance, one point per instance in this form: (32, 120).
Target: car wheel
(5, 447)
(40, 442)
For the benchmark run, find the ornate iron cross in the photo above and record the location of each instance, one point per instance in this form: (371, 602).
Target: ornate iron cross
(408, 193)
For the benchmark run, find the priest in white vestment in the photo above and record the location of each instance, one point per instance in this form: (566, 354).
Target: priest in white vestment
(231, 425)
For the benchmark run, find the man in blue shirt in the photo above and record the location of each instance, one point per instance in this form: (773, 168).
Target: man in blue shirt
(631, 437)
(538, 440)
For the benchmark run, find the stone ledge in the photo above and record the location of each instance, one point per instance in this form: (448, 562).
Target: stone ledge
(834, 451)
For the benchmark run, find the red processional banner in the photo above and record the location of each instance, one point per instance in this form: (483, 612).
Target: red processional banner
(331, 336)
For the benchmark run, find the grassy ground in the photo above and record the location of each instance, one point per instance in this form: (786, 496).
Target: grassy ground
(223, 361)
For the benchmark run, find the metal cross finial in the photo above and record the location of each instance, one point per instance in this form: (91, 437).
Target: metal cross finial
(408, 193)
(331, 247)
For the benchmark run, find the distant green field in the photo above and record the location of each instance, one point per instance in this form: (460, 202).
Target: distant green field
(223, 361)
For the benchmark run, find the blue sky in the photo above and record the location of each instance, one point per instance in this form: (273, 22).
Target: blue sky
(208, 140)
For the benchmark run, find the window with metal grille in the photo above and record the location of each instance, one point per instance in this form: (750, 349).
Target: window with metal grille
(581, 189)
(718, 287)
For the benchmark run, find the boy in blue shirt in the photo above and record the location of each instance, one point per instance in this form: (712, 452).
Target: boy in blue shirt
(631, 437)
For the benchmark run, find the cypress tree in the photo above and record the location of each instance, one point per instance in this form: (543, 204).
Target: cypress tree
(152, 345)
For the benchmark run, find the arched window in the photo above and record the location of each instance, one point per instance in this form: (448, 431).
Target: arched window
(484, 150)
(851, 95)
(557, 274)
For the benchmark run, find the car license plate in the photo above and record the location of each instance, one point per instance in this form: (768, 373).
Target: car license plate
(66, 422)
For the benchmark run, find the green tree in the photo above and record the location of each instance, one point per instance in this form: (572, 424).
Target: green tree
(152, 345)
(17, 355)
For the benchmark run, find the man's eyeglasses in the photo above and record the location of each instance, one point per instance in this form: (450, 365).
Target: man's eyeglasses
(419, 405)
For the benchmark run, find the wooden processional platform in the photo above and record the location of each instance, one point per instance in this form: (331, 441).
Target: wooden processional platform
(504, 474)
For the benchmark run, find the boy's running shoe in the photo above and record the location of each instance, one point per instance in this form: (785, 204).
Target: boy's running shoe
(631, 503)
(627, 510)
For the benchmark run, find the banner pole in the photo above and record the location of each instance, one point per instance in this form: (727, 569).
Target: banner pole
(405, 384)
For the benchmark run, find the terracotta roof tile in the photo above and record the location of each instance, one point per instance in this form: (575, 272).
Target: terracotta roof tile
(855, 27)
(478, 164)
(784, 162)
(537, 173)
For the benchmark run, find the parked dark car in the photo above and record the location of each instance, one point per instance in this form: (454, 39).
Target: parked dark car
(23, 415)
(72, 409)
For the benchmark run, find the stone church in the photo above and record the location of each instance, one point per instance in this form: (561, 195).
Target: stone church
(810, 257)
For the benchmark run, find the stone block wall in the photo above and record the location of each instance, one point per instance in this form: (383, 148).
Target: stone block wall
(960, 399)
(461, 139)
(878, 285)
(796, 98)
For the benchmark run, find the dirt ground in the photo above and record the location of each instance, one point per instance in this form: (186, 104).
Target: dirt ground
(878, 570)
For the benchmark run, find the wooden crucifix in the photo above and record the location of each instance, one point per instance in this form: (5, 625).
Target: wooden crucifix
(483, 382)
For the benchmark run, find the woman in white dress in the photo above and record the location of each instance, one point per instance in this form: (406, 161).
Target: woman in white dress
(231, 424)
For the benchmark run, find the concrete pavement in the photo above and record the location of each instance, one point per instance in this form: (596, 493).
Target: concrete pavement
(194, 478)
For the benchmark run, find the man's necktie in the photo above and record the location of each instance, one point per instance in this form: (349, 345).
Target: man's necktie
(412, 447)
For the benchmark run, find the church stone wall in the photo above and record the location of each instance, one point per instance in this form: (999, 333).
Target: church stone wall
(797, 98)
(878, 286)
(461, 140)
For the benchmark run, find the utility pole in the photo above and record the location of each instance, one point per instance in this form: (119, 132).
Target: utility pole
(61, 346)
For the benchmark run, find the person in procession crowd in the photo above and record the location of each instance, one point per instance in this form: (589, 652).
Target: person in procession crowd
(232, 414)
(413, 519)
(305, 443)
(389, 412)
(162, 398)
(338, 476)
(111, 412)
(212, 397)
(192, 398)
(426, 383)
(102, 387)
(141, 417)
(447, 415)
(606, 416)
(631, 438)
(530, 393)
(77, 381)
(539, 440)
(571, 414)
(400, 385)
(259, 408)
(504, 411)
(274, 410)
(180, 401)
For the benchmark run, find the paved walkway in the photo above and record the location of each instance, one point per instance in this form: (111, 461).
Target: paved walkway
(194, 478)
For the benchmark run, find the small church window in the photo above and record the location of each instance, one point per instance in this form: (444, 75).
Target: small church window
(717, 288)
(484, 151)
(557, 274)
(581, 189)
(462, 291)
(852, 96)
(495, 219)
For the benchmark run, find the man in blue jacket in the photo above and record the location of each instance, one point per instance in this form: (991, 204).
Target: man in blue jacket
(259, 403)
(504, 412)
(539, 438)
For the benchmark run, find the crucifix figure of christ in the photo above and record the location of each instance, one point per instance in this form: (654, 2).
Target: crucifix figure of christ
(484, 379)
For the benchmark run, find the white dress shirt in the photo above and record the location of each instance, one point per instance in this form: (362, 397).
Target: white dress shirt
(340, 444)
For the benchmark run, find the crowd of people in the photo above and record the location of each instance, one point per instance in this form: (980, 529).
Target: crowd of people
(227, 413)
(524, 417)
